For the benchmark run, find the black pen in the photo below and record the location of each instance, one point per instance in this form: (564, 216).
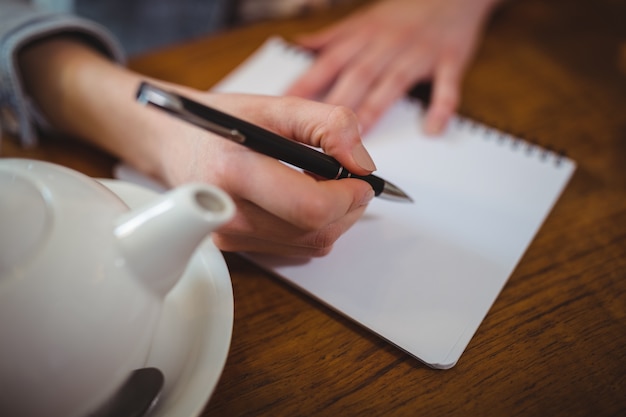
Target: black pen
(259, 139)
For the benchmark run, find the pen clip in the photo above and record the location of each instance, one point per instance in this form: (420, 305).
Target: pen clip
(173, 104)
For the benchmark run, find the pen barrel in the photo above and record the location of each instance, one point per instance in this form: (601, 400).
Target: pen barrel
(377, 183)
(304, 157)
(279, 147)
(268, 143)
(301, 156)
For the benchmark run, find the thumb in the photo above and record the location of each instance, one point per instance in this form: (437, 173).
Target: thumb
(339, 136)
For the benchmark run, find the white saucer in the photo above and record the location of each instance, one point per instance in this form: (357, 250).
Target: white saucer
(193, 336)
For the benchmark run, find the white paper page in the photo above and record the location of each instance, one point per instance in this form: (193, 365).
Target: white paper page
(423, 275)
(269, 70)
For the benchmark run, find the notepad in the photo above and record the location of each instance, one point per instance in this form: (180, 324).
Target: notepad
(424, 275)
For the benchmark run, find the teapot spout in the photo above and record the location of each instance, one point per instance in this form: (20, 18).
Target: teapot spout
(158, 239)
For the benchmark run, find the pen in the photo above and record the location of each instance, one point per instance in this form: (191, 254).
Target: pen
(259, 139)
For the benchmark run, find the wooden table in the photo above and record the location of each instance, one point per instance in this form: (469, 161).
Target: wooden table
(554, 343)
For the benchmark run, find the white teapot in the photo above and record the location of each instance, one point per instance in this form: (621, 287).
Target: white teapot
(82, 282)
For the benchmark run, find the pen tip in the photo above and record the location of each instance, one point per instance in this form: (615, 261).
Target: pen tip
(394, 193)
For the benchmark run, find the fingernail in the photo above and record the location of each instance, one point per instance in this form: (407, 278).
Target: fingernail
(363, 158)
(367, 197)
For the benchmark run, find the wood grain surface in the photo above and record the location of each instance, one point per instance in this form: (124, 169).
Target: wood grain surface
(554, 342)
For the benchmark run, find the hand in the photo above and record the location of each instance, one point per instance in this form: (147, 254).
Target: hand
(279, 210)
(373, 57)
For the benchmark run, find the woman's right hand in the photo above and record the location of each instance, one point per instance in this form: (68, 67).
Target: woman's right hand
(279, 210)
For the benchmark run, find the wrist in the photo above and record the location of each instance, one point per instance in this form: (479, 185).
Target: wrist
(83, 94)
(51, 86)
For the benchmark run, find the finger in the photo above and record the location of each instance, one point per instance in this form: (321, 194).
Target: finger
(273, 236)
(361, 73)
(445, 98)
(397, 79)
(292, 196)
(340, 137)
(329, 62)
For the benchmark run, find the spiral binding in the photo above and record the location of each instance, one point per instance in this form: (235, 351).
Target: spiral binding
(516, 142)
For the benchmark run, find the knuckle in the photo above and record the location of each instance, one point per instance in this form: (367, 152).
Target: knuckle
(332, 60)
(324, 240)
(401, 76)
(338, 119)
(341, 116)
(315, 213)
(364, 73)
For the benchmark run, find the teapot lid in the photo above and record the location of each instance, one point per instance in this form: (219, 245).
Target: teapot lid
(40, 202)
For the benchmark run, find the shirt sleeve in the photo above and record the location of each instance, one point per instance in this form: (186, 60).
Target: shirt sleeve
(20, 24)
